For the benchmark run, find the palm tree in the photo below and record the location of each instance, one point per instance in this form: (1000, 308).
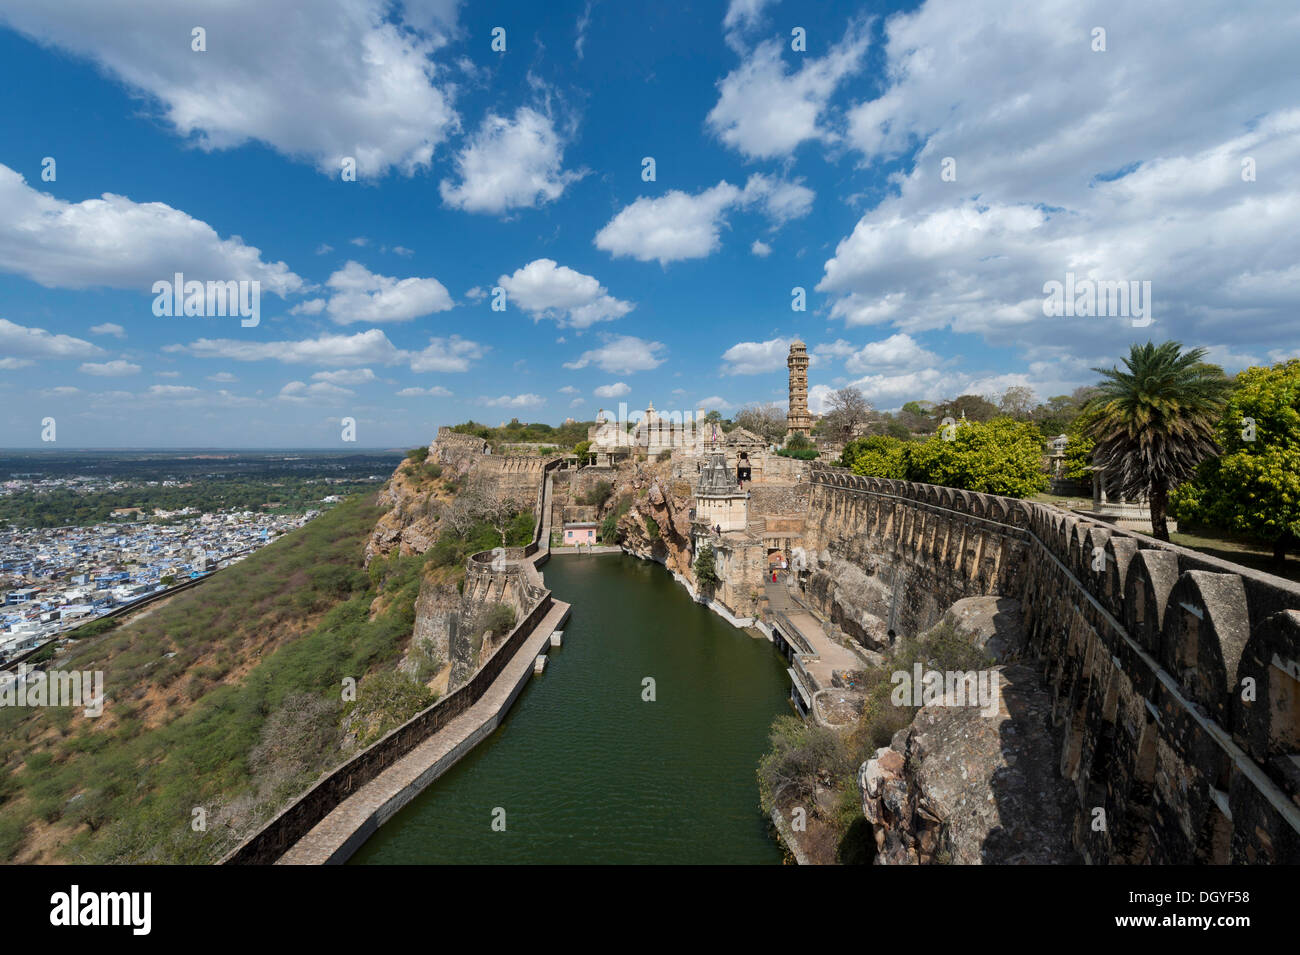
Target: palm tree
(1155, 422)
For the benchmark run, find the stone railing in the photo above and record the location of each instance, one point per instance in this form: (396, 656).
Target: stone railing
(1176, 676)
(296, 820)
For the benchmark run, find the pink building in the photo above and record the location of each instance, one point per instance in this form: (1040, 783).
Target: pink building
(580, 533)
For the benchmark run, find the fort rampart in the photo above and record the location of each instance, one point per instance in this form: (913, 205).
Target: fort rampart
(1175, 676)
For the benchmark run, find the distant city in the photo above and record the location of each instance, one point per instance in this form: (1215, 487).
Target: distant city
(54, 579)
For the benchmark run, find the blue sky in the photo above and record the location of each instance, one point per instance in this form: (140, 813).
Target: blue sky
(775, 168)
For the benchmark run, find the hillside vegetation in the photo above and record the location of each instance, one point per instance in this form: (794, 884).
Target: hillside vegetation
(224, 699)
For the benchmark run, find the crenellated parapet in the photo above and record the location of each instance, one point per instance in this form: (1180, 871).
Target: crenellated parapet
(1176, 676)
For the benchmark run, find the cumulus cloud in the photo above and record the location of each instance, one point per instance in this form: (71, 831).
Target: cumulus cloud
(311, 306)
(117, 368)
(63, 244)
(547, 290)
(899, 351)
(322, 80)
(677, 226)
(761, 249)
(508, 164)
(21, 341)
(756, 358)
(452, 354)
(617, 390)
(108, 328)
(1119, 187)
(764, 112)
(714, 403)
(622, 354)
(360, 295)
(436, 391)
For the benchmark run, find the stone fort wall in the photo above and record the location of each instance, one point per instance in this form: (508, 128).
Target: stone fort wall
(1175, 677)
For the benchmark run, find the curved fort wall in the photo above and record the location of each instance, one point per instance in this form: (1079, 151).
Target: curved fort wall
(1175, 676)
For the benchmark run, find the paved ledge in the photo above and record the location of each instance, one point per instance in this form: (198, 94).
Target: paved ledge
(353, 821)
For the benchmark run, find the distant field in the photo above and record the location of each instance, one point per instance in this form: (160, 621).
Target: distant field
(225, 697)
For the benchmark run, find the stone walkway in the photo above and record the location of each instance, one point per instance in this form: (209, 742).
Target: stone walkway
(831, 656)
(346, 828)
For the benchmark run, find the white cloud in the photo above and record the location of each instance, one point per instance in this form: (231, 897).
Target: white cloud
(1139, 179)
(761, 249)
(677, 226)
(362, 296)
(714, 403)
(322, 80)
(672, 227)
(346, 376)
(781, 201)
(24, 342)
(765, 112)
(509, 164)
(547, 290)
(171, 391)
(312, 306)
(516, 401)
(756, 358)
(616, 390)
(897, 352)
(743, 14)
(363, 348)
(452, 354)
(117, 368)
(108, 328)
(9, 364)
(622, 354)
(114, 242)
(436, 391)
(324, 248)
(568, 390)
(371, 347)
(223, 377)
(301, 392)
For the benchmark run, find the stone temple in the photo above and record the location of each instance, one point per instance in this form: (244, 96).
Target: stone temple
(798, 420)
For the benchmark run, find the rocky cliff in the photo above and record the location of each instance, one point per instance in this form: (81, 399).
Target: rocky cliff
(667, 504)
(964, 788)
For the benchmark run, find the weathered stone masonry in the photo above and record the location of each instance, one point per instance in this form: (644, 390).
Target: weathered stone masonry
(1145, 647)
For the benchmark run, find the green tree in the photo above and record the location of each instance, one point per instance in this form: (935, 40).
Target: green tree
(706, 571)
(1254, 487)
(1001, 456)
(1077, 465)
(798, 442)
(1155, 422)
(877, 456)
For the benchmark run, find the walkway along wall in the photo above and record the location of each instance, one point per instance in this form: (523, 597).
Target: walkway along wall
(297, 819)
(1175, 676)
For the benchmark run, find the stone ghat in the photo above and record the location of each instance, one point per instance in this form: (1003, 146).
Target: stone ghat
(1175, 676)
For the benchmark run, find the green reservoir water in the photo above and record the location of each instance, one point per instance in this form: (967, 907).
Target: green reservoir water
(589, 773)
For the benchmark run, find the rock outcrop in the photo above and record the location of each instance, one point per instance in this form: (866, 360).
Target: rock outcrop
(668, 505)
(960, 787)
